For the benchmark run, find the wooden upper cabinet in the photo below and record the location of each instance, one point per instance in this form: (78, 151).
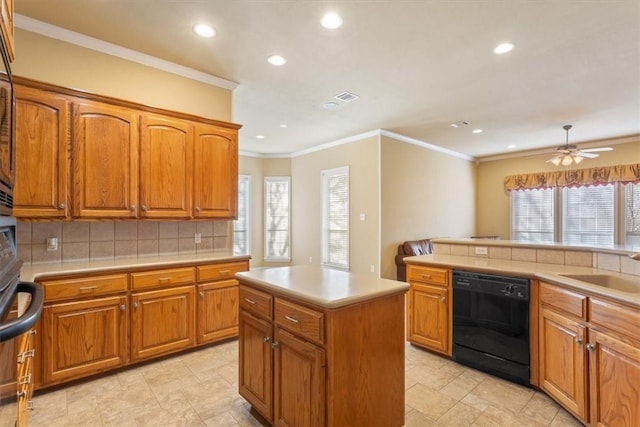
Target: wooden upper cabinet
(105, 147)
(215, 172)
(7, 26)
(166, 167)
(42, 154)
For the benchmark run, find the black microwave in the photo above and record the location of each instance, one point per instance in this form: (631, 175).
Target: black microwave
(7, 133)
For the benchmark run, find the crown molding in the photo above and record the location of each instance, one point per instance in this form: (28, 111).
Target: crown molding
(346, 140)
(426, 145)
(52, 31)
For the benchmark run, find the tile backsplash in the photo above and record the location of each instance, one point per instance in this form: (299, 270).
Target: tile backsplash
(102, 240)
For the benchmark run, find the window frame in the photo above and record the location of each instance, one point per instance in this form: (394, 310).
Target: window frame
(325, 175)
(267, 230)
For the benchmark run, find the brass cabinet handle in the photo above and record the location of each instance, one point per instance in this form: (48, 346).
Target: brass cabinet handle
(22, 356)
(266, 339)
(275, 345)
(425, 276)
(135, 305)
(21, 393)
(61, 206)
(197, 209)
(88, 288)
(578, 340)
(225, 271)
(123, 307)
(132, 208)
(443, 299)
(292, 319)
(143, 207)
(201, 294)
(591, 347)
(250, 301)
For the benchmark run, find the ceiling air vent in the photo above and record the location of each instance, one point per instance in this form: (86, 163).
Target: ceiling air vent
(460, 124)
(346, 96)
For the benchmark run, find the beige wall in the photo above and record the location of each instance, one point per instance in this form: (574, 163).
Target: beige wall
(362, 158)
(492, 206)
(425, 194)
(257, 169)
(64, 64)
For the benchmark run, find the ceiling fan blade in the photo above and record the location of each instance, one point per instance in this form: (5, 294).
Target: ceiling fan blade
(595, 150)
(588, 155)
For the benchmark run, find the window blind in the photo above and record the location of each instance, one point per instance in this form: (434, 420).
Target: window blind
(632, 214)
(335, 217)
(532, 215)
(588, 215)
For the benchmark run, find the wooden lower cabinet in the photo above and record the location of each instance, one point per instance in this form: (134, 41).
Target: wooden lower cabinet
(162, 321)
(428, 317)
(590, 356)
(299, 382)
(305, 365)
(83, 337)
(256, 360)
(563, 361)
(217, 311)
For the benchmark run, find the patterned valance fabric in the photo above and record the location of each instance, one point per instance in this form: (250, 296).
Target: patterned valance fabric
(574, 177)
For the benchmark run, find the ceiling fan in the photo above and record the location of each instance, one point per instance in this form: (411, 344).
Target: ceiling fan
(569, 153)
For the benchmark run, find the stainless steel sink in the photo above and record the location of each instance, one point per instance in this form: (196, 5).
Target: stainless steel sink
(608, 281)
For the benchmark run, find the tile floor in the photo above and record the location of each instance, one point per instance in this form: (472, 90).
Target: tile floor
(200, 389)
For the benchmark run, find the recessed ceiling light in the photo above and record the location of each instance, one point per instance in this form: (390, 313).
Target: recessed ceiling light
(276, 60)
(331, 21)
(330, 105)
(477, 131)
(503, 48)
(511, 146)
(260, 136)
(204, 30)
(283, 126)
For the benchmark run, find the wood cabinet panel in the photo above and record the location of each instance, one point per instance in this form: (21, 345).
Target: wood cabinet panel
(431, 275)
(84, 337)
(615, 317)
(80, 287)
(223, 271)
(300, 320)
(162, 322)
(166, 167)
(105, 169)
(215, 172)
(563, 362)
(218, 309)
(563, 300)
(162, 278)
(256, 361)
(42, 152)
(256, 302)
(429, 322)
(299, 381)
(8, 367)
(615, 381)
(7, 26)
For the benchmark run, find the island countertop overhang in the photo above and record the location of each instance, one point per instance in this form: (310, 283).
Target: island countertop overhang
(323, 287)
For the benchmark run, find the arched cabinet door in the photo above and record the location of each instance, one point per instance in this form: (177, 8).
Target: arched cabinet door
(42, 154)
(215, 172)
(104, 144)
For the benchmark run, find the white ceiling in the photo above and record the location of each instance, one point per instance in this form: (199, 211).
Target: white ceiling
(416, 65)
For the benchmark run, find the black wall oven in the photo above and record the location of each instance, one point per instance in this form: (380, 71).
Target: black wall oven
(491, 324)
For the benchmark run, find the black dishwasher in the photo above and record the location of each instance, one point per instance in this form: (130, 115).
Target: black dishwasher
(491, 324)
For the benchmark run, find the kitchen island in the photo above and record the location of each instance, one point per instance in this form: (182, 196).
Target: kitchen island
(322, 347)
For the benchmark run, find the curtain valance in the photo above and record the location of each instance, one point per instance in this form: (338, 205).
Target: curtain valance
(574, 177)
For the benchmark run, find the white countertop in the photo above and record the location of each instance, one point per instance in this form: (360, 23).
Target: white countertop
(31, 273)
(324, 287)
(547, 272)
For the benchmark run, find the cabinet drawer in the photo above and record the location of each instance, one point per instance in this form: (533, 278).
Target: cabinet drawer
(563, 299)
(300, 320)
(162, 278)
(437, 276)
(615, 317)
(55, 290)
(256, 302)
(220, 271)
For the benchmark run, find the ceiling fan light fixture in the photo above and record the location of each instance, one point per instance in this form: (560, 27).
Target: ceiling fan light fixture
(577, 158)
(556, 160)
(566, 160)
